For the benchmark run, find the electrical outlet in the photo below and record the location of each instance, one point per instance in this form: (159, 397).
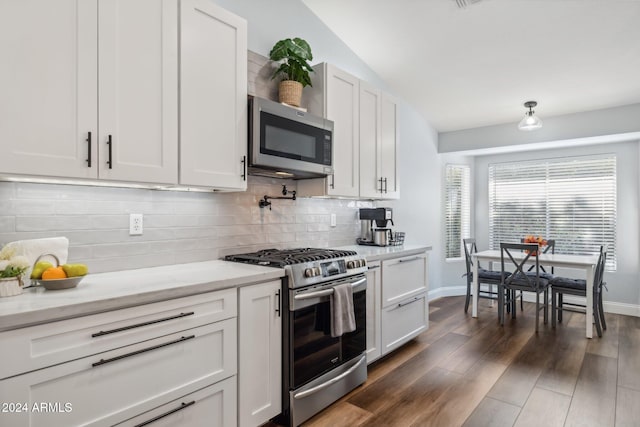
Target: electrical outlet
(333, 220)
(135, 224)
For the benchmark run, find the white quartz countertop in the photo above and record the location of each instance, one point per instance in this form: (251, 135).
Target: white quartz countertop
(110, 291)
(377, 253)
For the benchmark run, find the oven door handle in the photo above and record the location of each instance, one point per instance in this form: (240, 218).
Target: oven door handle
(325, 292)
(326, 384)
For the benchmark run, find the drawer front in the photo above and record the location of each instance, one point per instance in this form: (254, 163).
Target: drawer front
(403, 322)
(402, 278)
(36, 347)
(111, 387)
(213, 406)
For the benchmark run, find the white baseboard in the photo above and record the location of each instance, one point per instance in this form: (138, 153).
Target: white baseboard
(447, 291)
(609, 306)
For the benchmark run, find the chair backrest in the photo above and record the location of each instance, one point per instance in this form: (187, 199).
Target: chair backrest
(598, 278)
(551, 247)
(531, 252)
(469, 249)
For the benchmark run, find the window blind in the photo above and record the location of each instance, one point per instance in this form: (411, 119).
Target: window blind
(571, 200)
(458, 208)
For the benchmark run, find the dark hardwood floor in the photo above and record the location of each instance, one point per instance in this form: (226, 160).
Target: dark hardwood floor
(473, 372)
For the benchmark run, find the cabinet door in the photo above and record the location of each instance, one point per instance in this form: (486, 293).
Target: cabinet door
(260, 353)
(374, 306)
(213, 96)
(403, 278)
(213, 406)
(404, 321)
(342, 107)
(48, 82)
(370, 181)
(138, 90)
(388, 151)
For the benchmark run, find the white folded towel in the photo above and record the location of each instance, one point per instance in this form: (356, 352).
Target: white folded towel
(34, 248)
(343, 318)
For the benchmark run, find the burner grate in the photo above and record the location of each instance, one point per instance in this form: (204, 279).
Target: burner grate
(282, 257)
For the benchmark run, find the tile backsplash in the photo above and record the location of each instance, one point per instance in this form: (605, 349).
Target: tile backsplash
(179, 227)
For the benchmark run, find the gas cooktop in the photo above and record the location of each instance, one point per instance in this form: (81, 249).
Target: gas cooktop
(282, 257)
(307, 266)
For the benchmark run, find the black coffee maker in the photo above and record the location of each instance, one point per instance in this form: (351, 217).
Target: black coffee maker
(374, 223)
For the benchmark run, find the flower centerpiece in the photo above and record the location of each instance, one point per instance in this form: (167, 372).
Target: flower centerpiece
(12, 268)
(541, 241)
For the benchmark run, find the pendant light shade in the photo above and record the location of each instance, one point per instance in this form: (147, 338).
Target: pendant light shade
(530, 121)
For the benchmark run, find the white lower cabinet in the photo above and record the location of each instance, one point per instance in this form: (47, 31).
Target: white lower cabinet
(146, 367)
(260, 353)
(374, 291)
(213, 406)
(404, 321)
(397, 304)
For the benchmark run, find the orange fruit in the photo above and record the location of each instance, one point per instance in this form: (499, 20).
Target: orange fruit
(54, 273)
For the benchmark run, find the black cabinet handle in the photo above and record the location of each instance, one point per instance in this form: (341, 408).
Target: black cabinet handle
(402, 304)
(244, 167)
(278, 302)
(333, 181)
(109, 143)
(385, 185)
(144, 350)
(153, 420)
(88, 149)
(139, 325)
(380, 184)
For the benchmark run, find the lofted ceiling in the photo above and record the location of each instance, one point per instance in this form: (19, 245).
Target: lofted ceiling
(473, 66)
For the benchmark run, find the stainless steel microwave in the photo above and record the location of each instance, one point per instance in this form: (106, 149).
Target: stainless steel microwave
(287, 143)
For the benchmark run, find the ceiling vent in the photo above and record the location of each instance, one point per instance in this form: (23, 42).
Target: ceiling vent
(462, 4)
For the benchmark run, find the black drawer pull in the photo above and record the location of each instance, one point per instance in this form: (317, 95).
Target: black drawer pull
(88, 149)
(402, 304)
(373, 267)
(278, 302)
(139, 325)
(180, 408)
(409, 259)
(144, 350)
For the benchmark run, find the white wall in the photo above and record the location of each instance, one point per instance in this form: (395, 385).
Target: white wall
(623, 283)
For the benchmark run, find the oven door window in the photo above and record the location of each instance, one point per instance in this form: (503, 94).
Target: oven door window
(314, 350)
(294, 140)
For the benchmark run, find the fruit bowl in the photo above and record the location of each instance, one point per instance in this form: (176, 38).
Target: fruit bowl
(56, 284)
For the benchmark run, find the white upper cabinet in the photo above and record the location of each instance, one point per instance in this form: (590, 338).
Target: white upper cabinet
(378, 144)
(48, 86)
(370, 184)
(213, 96)
(388, 151)
(335, 95)
(365, 136)
(138, 90)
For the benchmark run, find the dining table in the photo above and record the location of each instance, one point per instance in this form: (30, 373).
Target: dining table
(586, 263)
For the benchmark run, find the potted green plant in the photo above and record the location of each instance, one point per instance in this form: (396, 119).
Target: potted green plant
(292, 54)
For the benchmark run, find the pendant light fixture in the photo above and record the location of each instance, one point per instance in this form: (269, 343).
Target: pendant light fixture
(530, 120)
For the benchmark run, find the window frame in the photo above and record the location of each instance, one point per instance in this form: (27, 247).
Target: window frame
(464, 190)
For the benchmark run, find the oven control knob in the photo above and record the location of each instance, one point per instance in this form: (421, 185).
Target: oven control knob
(364, 262)
(308, 272)
(351, 264)
(316, 271)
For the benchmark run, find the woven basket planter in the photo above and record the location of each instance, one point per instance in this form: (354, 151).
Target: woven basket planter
(290, 92)
(10, 286)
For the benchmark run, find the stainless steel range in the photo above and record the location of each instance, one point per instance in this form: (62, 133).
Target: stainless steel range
(318, 368)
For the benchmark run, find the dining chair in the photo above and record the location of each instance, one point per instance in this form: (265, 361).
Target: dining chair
(487, 277)
(521, 280)
(578, 287)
